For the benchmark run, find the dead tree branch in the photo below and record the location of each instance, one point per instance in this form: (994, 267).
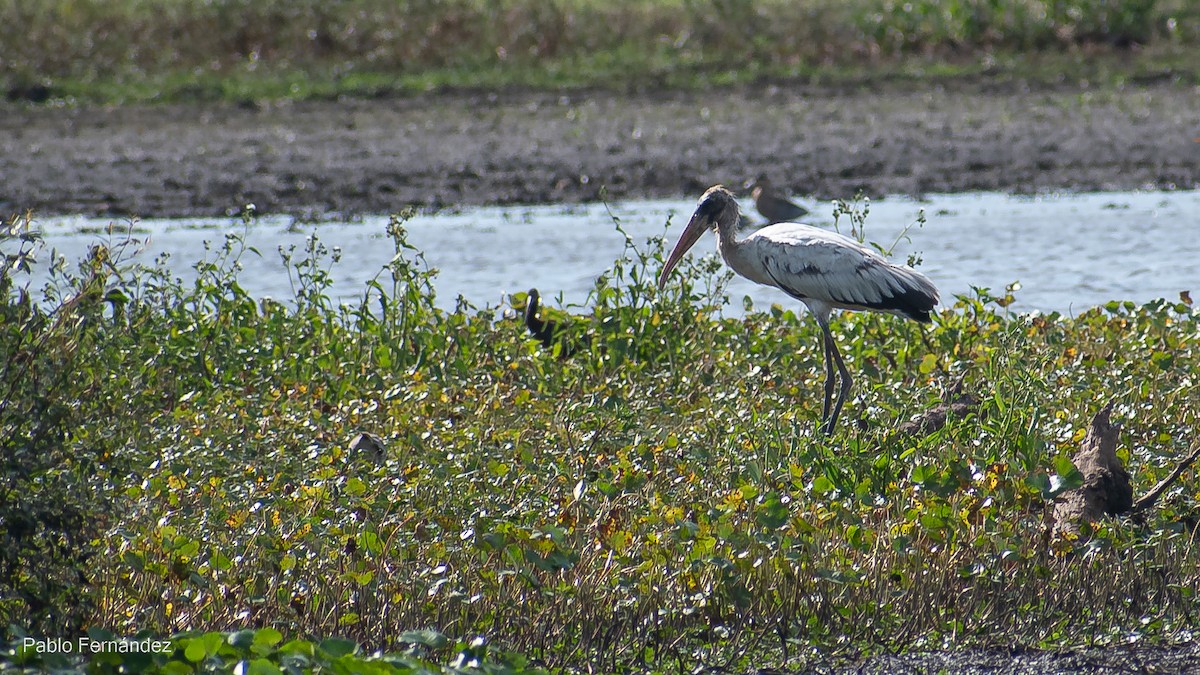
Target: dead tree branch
(1148, 500)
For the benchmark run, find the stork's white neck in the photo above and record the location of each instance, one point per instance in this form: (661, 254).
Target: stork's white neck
(727, 235)
(733, 253)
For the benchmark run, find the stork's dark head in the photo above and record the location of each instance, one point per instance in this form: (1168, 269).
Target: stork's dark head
(717, 208)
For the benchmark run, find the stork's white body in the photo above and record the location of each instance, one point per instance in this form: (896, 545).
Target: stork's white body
(824, 270)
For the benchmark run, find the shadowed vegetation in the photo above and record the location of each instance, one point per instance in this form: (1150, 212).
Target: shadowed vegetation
(230, 49)
(659, 500)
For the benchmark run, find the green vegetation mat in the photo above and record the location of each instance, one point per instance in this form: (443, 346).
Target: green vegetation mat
(176, 460)
(185, 50)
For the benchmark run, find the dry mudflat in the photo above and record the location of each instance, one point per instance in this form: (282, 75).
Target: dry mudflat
(443, 150)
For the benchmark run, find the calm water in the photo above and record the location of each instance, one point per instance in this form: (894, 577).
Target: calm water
(1069, 252)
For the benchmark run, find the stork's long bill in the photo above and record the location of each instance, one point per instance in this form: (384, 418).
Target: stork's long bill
(696, 227)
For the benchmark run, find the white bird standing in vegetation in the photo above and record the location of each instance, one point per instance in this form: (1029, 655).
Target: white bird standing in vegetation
(822, 269)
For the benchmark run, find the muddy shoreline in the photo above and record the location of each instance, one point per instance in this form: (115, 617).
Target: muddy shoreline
(315, 159)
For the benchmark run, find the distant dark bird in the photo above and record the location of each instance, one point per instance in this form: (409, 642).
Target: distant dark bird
(542, 330)
(772, 205)
(547, 331)
(822, 269)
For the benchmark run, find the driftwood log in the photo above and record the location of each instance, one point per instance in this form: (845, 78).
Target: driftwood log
(1106, 488)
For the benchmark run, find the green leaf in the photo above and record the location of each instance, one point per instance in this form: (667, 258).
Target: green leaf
(822, 485)
(1064, 465)
(1039, 482)
(1068, 477)
(267, 637)
(134, 560)
(370, 542)
(187, 548)
(241, 639)
(337, 647)
(921, 474)
(773, 513)
(1162, 359)
(176, 668)
(302, 647)
(195, 651)
(262, 667)
(429, 638)
(932, 522)
(116, 296)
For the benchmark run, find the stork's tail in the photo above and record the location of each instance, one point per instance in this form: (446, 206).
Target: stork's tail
(915, 298)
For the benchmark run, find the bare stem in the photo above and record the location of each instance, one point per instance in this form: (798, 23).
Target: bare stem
(1147, 500)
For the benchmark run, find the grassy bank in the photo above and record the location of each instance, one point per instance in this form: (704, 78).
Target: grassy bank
(178, 458)
(231, 49)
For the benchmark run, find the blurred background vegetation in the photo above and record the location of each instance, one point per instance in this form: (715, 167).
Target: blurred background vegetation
(182, 49)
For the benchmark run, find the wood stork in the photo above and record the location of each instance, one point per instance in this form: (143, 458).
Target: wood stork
(773, 206)
(822, 269)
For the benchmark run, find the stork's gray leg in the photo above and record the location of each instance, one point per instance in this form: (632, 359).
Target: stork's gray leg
(827, 342)
(847, 382)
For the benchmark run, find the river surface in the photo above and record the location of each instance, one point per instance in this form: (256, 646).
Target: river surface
(1067, 252)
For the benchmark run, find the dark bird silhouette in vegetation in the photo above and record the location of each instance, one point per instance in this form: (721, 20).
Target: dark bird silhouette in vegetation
(540, 329)
(548, 331)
